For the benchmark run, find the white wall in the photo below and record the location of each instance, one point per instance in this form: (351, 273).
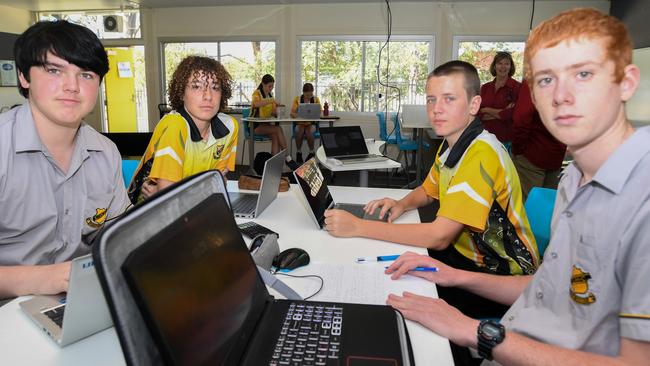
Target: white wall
(638, 108)
(285, 23)
(15, 21)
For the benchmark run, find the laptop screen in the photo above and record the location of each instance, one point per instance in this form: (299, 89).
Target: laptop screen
(197, 287)
(314, 188)
(343, 141)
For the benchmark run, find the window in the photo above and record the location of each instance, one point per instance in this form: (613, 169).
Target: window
(246, 61)
(107, 24)
(344, 71)
(480, 51)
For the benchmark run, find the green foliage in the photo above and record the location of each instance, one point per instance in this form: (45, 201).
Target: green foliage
(481, 54)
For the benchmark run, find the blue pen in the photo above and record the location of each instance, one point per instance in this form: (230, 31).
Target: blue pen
(379, 258)
(423, 269)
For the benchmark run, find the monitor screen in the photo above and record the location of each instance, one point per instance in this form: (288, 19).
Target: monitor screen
(342, 141)
(197, 287)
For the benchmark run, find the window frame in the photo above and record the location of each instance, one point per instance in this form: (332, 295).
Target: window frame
(431, 39)
(164, 40)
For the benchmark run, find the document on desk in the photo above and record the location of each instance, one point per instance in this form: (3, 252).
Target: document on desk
(354, 283)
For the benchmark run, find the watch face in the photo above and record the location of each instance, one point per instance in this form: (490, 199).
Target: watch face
(490, 330)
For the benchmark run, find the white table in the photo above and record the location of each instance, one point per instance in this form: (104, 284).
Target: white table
(23, 343)
(251, 137)
(373, 148)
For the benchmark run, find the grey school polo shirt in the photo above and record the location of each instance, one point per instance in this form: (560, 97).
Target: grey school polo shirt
(594, 284)
(46, 214)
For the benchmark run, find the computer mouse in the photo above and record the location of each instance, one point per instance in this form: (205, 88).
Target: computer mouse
(290, 259)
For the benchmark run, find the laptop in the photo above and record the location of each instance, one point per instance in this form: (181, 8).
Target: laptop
(347, 145)
(308, 111)
(67, 318)
(251, 205)
(315, 191)
(204, 302)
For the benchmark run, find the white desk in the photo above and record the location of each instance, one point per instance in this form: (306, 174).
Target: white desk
(251, 137)
(23, 343)
(373, 148)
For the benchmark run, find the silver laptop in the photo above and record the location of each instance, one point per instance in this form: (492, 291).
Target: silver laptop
(347, 145)
(81, 312)
(315, 191)
(308, 111)
(251, 205)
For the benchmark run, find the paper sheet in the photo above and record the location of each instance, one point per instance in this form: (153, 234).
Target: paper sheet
(354, 283)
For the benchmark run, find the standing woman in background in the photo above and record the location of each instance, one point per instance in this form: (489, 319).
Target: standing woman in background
(194, 137)
(263, 105)
(498, 98)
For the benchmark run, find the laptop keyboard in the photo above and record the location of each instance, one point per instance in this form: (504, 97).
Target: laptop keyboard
(356, 210)
(56, 314)
(310, 335)
(245, 204)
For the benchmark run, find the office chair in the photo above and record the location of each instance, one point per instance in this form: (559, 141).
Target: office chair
(128, 169)
(245, 112)
(539, 209)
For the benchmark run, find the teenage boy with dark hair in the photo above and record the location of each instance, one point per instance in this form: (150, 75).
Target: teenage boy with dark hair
(481, 224)
(589, 302)
(60, 180)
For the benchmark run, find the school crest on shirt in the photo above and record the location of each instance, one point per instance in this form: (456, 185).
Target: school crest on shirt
(98, 219)
(217, 152)
(580, 287)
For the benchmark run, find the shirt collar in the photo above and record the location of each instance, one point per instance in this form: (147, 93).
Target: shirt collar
(27, 138)
(619, 166)
(474, 129)
(217, 127)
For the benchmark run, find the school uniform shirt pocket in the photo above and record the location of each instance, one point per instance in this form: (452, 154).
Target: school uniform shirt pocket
(96, 212)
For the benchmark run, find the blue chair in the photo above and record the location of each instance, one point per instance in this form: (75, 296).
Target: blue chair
(245, 112)
(539, 209)
(383, 130)
(128, 169)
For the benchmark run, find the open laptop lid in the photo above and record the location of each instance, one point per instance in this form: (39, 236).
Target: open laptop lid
(343, 141)
(270, 181)
(314, 189)
(308, 110)
(135, 228)
(198, 288)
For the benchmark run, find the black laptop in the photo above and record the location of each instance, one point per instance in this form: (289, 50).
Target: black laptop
(347, 144)
(204, 302)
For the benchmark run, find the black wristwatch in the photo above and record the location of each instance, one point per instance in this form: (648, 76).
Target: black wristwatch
(490, 333)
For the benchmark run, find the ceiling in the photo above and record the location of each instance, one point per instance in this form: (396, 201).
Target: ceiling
(62, 5)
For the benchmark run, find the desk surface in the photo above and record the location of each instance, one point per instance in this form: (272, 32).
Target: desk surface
(373, 148)
(22, 342)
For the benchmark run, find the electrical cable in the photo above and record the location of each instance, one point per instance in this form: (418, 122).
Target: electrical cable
(532, 15)
(399, 92)
(322, 282)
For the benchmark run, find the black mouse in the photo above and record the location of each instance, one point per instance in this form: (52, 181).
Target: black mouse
(290, 259)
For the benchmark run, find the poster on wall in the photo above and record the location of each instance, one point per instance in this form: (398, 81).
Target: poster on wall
(124, 70)
(8, 75)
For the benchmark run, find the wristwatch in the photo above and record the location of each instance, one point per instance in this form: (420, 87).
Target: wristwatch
(490, 333)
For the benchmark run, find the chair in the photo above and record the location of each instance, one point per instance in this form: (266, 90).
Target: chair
(128, 169)
(245, 112)
(539, 209)
(383, 130)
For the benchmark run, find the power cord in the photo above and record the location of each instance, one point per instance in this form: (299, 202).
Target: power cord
(306, 276)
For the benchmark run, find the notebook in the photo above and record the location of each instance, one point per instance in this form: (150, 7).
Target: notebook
(67, 318)
(204, 302)
(251, 205)
(318, 197)
(347, 144)
(308, 111)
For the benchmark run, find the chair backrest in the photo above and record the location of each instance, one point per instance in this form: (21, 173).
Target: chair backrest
(539, 209)
(123, 236)
(128, 169)
(245, 112)
(383, 129)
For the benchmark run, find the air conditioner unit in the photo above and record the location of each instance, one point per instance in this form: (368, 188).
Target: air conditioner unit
(113, 23)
